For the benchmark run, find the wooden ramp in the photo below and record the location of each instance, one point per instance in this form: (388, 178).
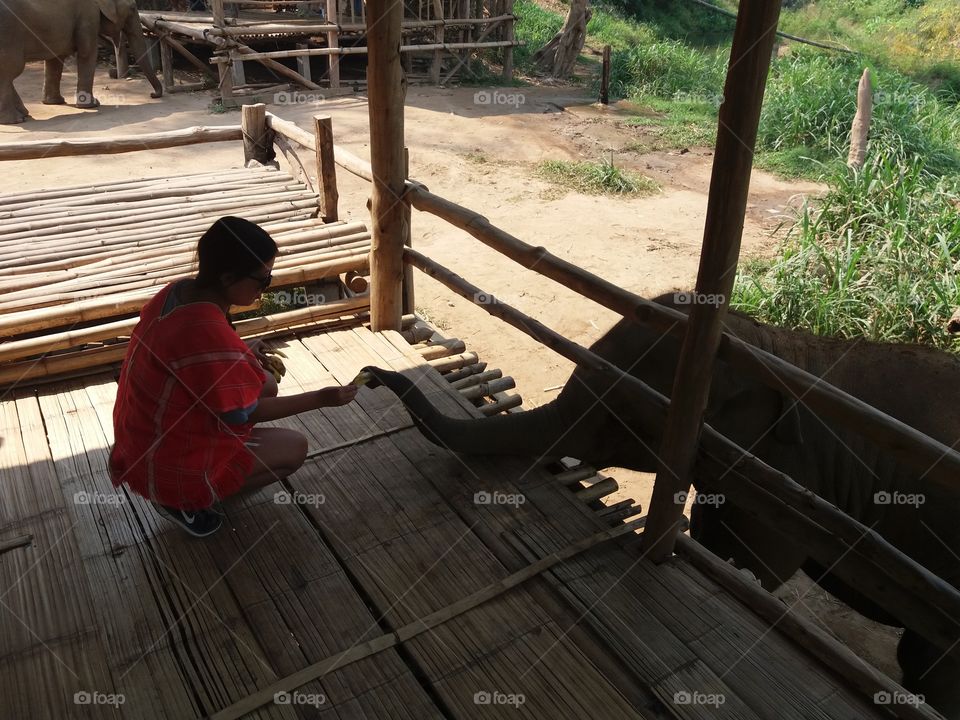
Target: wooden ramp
(108, 610)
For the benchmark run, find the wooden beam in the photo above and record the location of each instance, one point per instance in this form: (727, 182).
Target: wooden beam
(333, 41)
(326, 168)
(386, 90)
(508, 49)
(750, 55)
(409, 300)
(191, 58)
(36, 149)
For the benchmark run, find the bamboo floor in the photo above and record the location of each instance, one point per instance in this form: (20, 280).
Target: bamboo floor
(108, 610)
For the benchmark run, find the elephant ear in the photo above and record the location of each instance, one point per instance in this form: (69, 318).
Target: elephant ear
(749, 411)
(110, 11)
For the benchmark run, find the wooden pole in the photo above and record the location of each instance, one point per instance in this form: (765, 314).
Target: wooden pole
(333, 41)
(166, 64)
(36, 149)
(409, 301)
(605, 77)
(191, 58)
(226, 75)
(123, 57)
(386, 91)
(860, 130)
(508, 49)
(257, 143)
(753, 41)
(439, 33)
(326, 168)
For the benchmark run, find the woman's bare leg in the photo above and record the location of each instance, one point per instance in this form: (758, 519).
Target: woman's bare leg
(277, 452)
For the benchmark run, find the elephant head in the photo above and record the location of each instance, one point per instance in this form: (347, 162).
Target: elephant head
(121, 17)
(602, 421)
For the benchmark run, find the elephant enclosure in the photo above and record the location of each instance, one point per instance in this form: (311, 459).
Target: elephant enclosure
(378, 531)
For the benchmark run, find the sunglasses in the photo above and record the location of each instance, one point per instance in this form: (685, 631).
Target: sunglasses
(264, 282)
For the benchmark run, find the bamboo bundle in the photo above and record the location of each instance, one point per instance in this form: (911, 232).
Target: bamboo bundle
(464, 372)
(502, 404)
(475, 379)
(453, 362)
(606, 486)
(441, 349)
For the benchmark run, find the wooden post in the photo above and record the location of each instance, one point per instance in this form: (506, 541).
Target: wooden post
(605, 77)
(386, 90)
(257, 143)
(326, 168)
(333, 41)
(303, 62)
(166, 64)
(239, 76)
(860, 130)
(753, 41)
(226, 75)
(409, 302)
(508, 50)
(437, 64)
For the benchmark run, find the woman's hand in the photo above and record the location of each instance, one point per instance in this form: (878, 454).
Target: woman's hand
(258, 348)
(333, 396)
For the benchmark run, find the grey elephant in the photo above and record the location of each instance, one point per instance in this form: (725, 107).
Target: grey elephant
(912, 383)
(53, 30)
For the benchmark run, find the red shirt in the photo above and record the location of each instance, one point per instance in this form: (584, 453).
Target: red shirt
(182, 371)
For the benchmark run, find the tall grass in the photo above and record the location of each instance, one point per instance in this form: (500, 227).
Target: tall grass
(534, 28)
(590, 178)
(879, 257)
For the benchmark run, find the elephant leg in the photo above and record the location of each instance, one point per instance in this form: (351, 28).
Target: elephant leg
(928, 673)
(52, 73)
(86, 66)
(730, 533)
(21, 108)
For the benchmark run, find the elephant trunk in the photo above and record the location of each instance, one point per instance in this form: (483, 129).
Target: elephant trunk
(536, 432)
(138, 46)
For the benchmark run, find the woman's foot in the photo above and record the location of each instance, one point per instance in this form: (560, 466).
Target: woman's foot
(199, 523)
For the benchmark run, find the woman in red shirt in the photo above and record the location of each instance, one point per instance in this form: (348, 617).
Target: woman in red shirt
(191, 391)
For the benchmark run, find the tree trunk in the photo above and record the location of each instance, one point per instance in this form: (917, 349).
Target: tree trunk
(559, 56)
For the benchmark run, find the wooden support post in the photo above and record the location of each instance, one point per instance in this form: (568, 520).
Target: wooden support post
(753, 41)
(166, 64)
(303, 62)
(437, 65)
(191, 58)
(257, 143)
(238, 75)
(508, 50)
(333, 41)
(409, 302)
(605, 77)
(226, 75)
(386, 90)
(326, 168)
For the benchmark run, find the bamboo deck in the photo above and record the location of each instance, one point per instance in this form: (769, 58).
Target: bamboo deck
(108, 598)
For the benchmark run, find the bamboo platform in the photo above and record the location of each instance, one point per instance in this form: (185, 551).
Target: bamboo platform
(77, 264)
(99, 595)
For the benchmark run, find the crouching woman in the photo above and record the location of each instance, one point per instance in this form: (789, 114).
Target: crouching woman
(191, 391)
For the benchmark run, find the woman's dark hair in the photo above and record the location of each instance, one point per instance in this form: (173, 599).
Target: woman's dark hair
(232, 245)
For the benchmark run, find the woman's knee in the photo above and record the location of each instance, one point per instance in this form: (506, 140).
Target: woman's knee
(270, 387)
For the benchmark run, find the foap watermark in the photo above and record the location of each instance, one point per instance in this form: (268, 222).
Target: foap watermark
(299, 698)
(696, 298)
(684, 697)
(482, 298)
(714, 499)
(897, 698)
(85, 697)
(899, 498)
(297, 98)
(84, 497)
(897, 98)
(282, 497)
(299, 296)
(715, 99)
(496, 97)
(498, 498)
(485, 697)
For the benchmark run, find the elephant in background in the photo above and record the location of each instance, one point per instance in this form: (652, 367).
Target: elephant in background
(53, 30)
(600, 425)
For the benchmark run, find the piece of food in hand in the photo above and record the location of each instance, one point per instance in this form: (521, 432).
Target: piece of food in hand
(274, 366)
(274, 351)
(362, 378)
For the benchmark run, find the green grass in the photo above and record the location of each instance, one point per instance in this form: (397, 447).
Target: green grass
(535, 26)
(878, 257)
(590, 178)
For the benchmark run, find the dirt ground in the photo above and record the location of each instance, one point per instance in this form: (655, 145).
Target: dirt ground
(482, 155)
